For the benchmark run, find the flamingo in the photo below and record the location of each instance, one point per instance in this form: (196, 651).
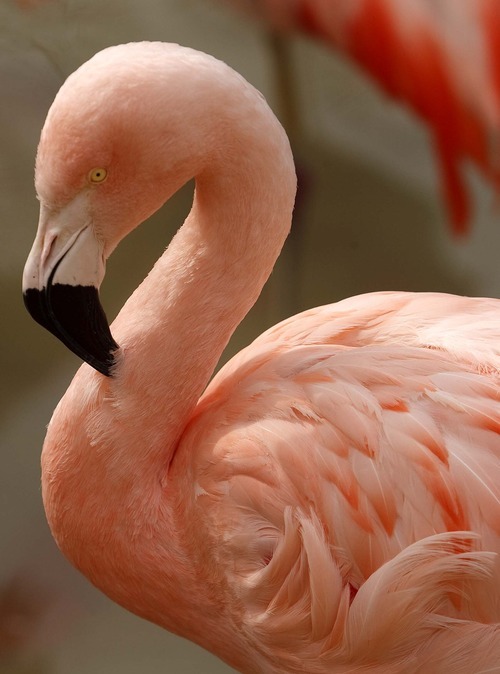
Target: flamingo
(414, 50)
(329, 502)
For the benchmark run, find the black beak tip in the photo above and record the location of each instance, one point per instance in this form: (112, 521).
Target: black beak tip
(35, 305)
(75, 316)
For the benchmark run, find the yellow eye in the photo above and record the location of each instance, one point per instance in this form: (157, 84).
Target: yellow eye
(98, 175)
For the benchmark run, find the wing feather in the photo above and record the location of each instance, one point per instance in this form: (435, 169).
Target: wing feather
(337, 453)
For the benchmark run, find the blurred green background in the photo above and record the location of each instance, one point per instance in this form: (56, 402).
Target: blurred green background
(370, 218)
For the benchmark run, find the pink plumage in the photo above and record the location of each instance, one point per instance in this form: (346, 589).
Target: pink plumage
(440, 57)
(329, 503)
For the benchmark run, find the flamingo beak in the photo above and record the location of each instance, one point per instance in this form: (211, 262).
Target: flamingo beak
(61, 289)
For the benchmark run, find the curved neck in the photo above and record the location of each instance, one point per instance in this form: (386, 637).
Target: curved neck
(175, 326)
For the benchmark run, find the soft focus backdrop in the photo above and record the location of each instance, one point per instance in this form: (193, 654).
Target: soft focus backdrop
(370, 217)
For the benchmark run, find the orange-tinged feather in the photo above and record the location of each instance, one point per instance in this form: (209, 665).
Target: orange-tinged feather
(414, 51)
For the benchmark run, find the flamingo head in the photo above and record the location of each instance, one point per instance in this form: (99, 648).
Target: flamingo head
(123, 134)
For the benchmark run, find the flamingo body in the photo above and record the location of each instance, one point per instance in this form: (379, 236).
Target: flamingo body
(378, 421)
(329, 503)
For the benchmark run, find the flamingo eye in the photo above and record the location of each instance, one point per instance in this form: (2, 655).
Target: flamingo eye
(97, 175)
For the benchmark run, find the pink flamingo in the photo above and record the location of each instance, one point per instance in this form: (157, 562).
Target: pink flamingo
(414, 50)
(330, 503)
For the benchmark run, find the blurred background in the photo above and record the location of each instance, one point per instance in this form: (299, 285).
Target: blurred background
(370, 216)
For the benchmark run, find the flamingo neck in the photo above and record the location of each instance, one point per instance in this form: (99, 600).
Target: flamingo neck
(111, 440)
(175, 326)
